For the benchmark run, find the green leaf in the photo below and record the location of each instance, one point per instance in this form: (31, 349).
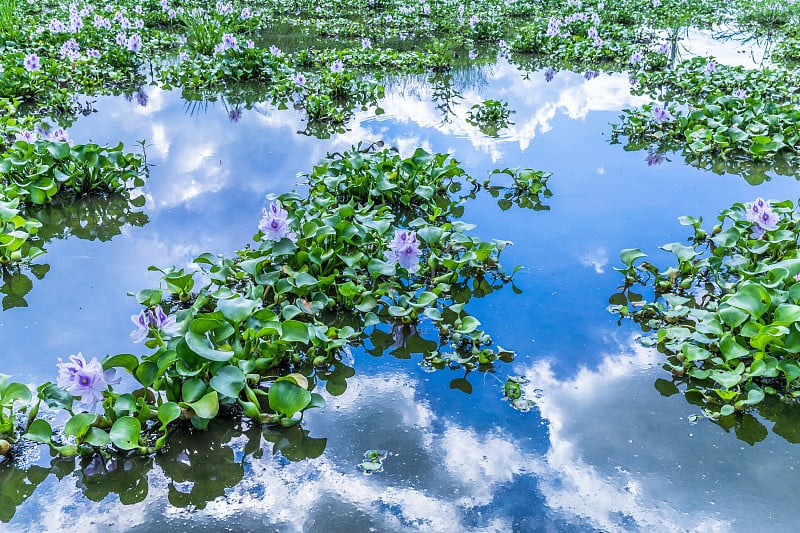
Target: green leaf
(123, 360)
(167, 412)
(192, 390)
(228, 381)
(629, 255)
(376, 266)
(237, 309)
(206, 407)
(787, 313)
(97, 437)
(287, 398)
(294, 331)
(125, 433)
(200, 345)
(751, 298)
(430, 234)
(39, 431)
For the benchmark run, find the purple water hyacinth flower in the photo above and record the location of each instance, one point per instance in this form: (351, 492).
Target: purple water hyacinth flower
(274, 223)
(592, 33)
(274, 50)
(235, 114)
(124, 23)
(86, 381)
(553, 27)
(224, 9)
(229, 42)
(245, 14)
(171, 13)
(134, 43)
(473, 21)
(162, 321)
(656, 3)
(754, 209)
(183, 56)
(768, 219)
(740, 93)
(32, 63)
(710, 67)
(404, 249)
(157, 319)
(549, 74)
(27, 136)
(337, 66)
(219, 48)
(595, 19)
(664, 48)
(121, 39)
(660, 114)
(472, 54)
(299, 79)
(366, 42)
(56, 26)
(93, 52)
(101, 22)
(655, 158)
(636, 58)
(70, 49)
(142, 323)
(60, 135)
(590, 75)
(426, 10)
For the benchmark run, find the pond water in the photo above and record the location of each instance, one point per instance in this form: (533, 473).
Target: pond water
(607, 445)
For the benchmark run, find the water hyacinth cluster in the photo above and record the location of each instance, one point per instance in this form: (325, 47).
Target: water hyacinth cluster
(727, 314)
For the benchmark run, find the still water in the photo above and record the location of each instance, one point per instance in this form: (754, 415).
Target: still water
(607, 445)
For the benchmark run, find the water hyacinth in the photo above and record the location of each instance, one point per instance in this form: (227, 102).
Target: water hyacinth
(299, 79)
(134, 43)
(636, 58)
(32, 63)
(337, 66)
(274, 223)
(660, 114)
(157, 319)
(274, 50)
(710, 67)
(366, 43)
(549, 74)
(83, 380)
(655, 158)
(404, 249)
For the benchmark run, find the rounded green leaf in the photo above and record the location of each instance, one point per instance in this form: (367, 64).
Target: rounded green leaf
(125, 433)
(287, 398)
(206, 407)
(39, 431)
(200, 345)
(79, 424)
(167, 412)
(294, 331)
(97, 437)
(228, 381)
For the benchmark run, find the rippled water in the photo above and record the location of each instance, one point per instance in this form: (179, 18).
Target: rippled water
(606, 447)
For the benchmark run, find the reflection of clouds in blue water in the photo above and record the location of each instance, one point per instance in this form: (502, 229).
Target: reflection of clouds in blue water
(625, 458)
(465, 469)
